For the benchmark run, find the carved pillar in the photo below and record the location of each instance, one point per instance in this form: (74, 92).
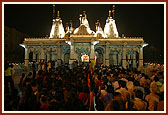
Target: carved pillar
(48, 56)
(53, 56)
(38, 57)
(134, 59)
(128, 55)
(42, 56)
(34, 56)
(26, 58)
(107, 54)
(72, 51)
(124, 57)
(104, 59)
(59, 54)
(119, 58)
(140, 57)
(92, 54)
(115, 58)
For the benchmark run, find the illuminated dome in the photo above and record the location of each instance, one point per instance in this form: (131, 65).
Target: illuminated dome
(110, 29)
(57, 30)
(84, 28)
(99, 30)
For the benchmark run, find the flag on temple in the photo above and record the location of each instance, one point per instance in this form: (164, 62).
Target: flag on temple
(113, 11)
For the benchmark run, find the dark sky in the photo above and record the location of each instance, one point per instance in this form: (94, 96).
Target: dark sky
(132, 20)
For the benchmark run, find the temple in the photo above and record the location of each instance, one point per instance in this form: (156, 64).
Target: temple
(69, 44)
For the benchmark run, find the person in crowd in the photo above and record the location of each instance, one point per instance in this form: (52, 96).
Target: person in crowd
(109, 88)
(8, 78)
(152, 98)
(139, 103)
(124, 92)
(106, 99)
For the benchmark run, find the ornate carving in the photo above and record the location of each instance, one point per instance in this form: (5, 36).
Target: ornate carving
(82, 50)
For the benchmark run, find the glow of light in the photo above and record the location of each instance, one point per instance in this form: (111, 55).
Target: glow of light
(89, 30)
(106, 29)
(99, 31)
(110, 28)
(115, 29)
(61, 31)
(68, 42)
(144, 45)
(95, 42)
(22, 45)
(52, 31)
(76, 30)
(85, 22)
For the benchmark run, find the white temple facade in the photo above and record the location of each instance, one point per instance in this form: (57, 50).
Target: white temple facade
(104, 46)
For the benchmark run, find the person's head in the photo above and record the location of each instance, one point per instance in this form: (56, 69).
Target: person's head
(122, 83)
(43, 99)
(23, 74)
(117, 95)
(110, 89)
(102, 86)
(153, 87)
(143, 75)
(136, 83)
(146, 77)
(28, 90)
(138, 94)
(156, 78)
(115, 105)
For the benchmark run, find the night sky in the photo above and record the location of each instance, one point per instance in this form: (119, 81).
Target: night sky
(132, 20)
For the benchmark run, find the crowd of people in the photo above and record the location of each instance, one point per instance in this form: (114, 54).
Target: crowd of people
(84, 88)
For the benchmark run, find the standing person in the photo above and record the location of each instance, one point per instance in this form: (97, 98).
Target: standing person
(8, 78)
(12, 71)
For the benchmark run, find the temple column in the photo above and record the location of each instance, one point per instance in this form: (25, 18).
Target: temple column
(59, 54)
(26, 58)
(48, 56)
(104, 59)
(53, 56)
(115, 58)
(62, 55)
(34, 56)
(124, 57)
(92, 53)
(134, 59)
(128, 60)
(140, 57)
(37, 57)
(107, 54)
(72, 51)
(53, 51)
(119, 58)
(42, 56)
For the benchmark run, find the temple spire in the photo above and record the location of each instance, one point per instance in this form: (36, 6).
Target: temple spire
(84, 14)
(109, 13)
(67, 27)
(58, 14)
(53, 11)
(80, 18)
(70, 23)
